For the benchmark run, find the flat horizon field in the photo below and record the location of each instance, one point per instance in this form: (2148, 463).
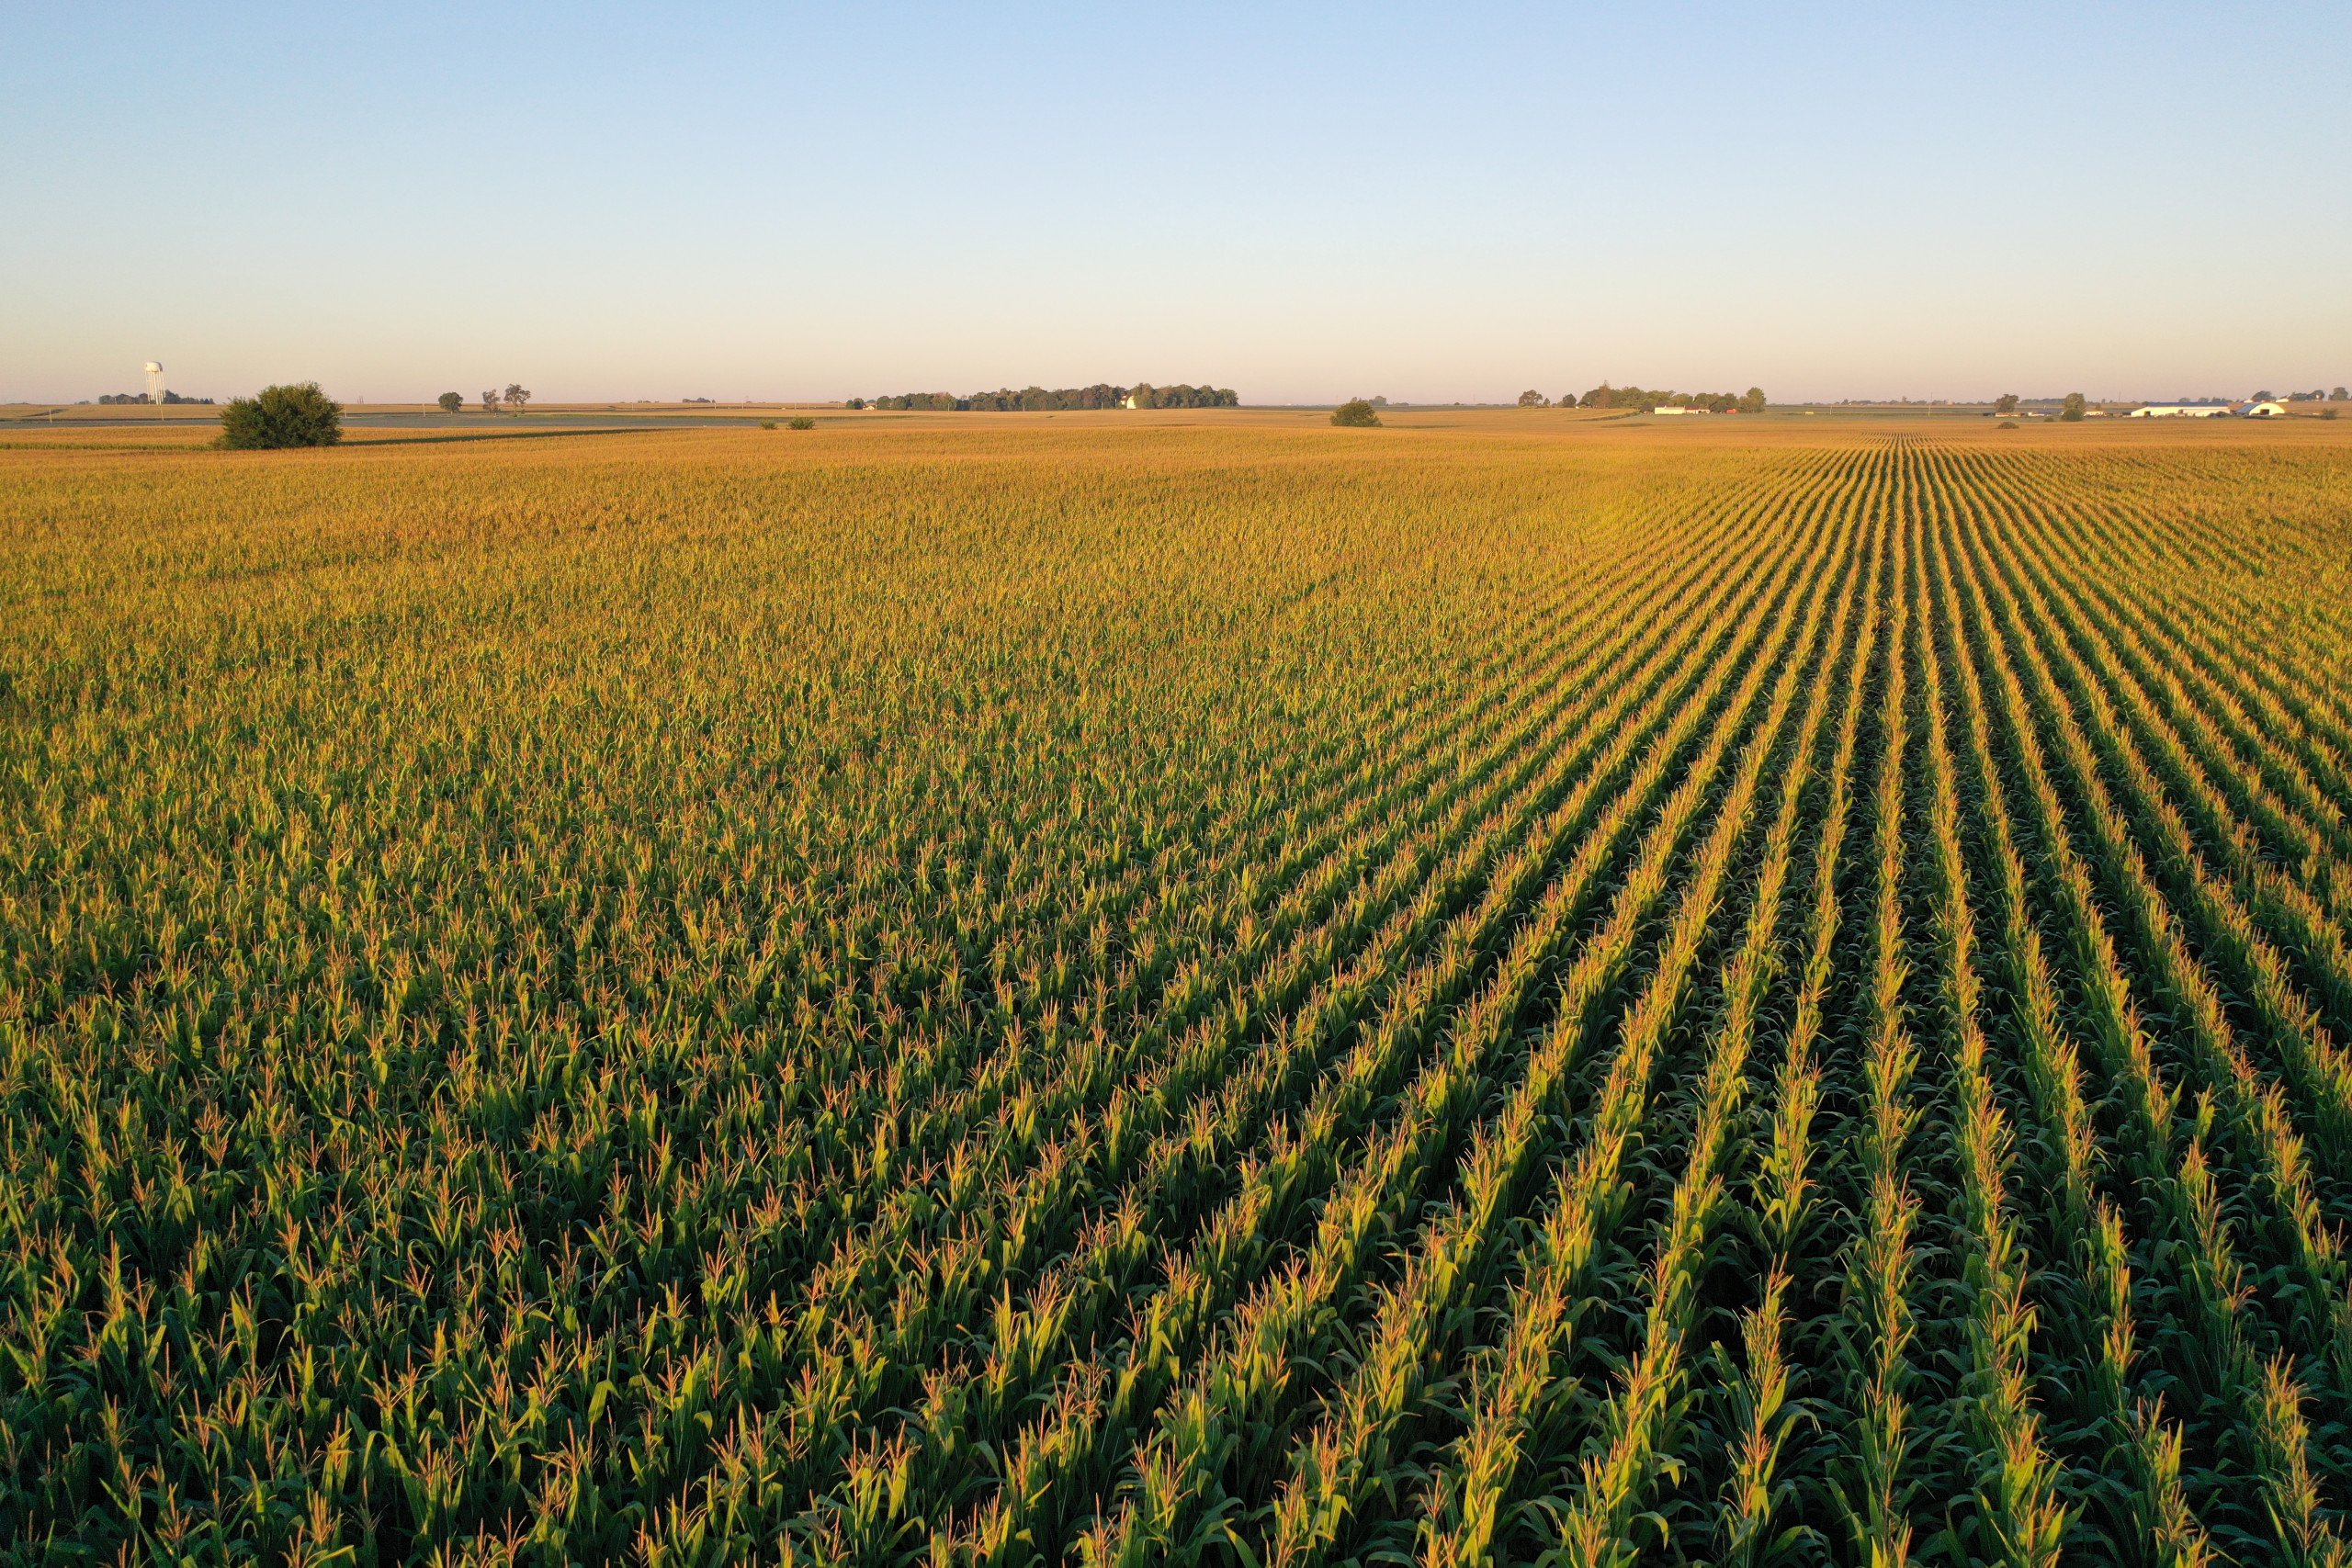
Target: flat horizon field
(1192, 987)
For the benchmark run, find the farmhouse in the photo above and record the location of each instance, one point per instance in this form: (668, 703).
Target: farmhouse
(2179, 410)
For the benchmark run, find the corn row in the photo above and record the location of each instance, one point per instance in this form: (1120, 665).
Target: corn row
(1635, 1443)
(1350, 1452)
(2206, 1257)
(1515, 1392)
(1180, 1471)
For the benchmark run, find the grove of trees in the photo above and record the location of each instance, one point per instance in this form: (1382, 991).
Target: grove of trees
(1102, 395)
(1644, 399)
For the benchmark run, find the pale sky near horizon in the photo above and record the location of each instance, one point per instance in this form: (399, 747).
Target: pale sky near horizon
(1301, 202)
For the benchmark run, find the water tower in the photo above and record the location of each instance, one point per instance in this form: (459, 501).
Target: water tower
(154, 383)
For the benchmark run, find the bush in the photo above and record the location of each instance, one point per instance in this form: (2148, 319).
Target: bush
(2007, 424)
(802, 422)
(1356, 415)
(295, 415)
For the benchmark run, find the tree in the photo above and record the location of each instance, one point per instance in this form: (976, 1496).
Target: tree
(2339, 395)
(2007, 403)
(1532, 400)
(2072, 411)
(294, 415)
(1356, 414)
(451, 403)
(490, 402)
(517, 396)
(1752, 400)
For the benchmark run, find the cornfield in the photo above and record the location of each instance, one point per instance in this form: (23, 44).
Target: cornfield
(1218, 995)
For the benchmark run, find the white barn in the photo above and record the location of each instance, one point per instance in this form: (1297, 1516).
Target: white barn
(2179, 410)
(2264, 411)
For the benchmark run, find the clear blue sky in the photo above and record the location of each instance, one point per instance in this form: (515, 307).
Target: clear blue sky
(1300, 202)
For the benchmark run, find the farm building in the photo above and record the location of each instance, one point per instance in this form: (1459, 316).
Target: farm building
(2179, 410)
(1670, 409)
(2264, 411)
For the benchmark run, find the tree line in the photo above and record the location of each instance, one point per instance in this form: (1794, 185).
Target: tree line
(1102, 395)
(1644, 399)
(169, 397)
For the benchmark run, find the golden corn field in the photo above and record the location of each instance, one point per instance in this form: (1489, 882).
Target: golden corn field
(1214, 993)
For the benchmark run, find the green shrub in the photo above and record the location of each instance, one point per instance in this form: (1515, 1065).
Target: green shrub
(767, 425)
(802, 422)
(295, 415)
(1357, 415)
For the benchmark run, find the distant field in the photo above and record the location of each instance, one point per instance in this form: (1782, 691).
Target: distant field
(1170, 988)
